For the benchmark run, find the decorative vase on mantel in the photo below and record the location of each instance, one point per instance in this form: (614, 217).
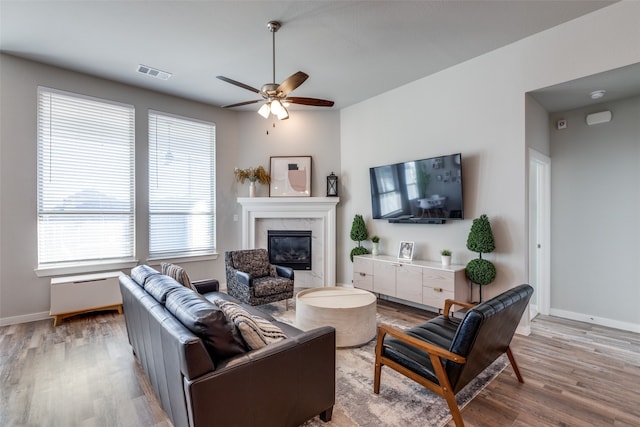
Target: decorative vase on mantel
(254, 175)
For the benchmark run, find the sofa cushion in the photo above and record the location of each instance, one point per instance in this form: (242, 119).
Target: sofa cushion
(256, 331)
(142, 273)
(177, 273)
(252, 261)
(207, 321)
(159, 286)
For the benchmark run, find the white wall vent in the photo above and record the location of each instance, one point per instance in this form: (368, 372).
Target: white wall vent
(153, 72)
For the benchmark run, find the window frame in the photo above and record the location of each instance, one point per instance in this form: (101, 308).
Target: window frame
(209, 252)
(43, 208)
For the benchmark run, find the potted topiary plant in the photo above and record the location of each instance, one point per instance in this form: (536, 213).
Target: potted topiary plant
(375, 242)
(445, 257)
(480, 271)
(358, 234)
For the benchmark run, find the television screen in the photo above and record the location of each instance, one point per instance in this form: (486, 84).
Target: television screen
(427, 190)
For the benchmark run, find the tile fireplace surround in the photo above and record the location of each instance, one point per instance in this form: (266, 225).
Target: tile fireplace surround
(318, 214)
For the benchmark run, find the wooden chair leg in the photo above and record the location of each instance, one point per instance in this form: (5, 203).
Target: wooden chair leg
(514, 365)
(446, 391)
(377, 370)
(453, 407)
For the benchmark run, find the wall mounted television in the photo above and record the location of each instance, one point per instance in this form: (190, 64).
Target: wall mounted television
(426, 191)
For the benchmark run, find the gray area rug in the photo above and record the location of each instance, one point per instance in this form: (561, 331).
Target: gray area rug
(401, 402)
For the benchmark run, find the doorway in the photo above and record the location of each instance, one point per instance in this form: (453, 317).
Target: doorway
(539, 231)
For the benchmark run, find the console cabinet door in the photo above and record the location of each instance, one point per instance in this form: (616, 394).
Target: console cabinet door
(437, 285)
(384, 278)
(363, 273)
(409, 283)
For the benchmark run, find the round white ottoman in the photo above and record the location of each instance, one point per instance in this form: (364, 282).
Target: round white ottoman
(352, 312)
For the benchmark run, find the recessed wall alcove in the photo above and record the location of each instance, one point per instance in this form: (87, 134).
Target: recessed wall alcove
(318, 214)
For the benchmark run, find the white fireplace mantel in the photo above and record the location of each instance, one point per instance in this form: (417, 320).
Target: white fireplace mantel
(320, 208)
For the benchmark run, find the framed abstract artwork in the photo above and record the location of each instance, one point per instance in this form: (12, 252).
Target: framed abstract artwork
(290, 176)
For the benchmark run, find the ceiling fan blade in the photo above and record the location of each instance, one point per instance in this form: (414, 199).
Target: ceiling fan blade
(309, 101)
(292, 82)
(239, 104)
(242, 85)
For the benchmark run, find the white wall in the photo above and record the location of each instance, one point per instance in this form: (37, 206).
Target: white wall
(477, 108)
(594, 216)
(240, 142)
(314, 133)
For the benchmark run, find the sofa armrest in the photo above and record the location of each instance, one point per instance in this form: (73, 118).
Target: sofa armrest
(206, 285)
(303, 367)
(285, 272)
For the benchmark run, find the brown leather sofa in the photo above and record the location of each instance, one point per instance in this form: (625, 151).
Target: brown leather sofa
(200, 367)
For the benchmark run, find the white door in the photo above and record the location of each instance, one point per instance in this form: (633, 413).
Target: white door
(539, 231)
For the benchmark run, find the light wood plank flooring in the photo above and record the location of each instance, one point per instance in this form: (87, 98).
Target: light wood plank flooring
(83, 373)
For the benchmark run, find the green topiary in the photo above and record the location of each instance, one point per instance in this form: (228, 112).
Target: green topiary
(358, 250)
(359, 229)
(358, 234)
(480, 271)
(480, 237)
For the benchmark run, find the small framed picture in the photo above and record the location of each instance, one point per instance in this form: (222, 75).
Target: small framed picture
(290, 176)
(406, 251)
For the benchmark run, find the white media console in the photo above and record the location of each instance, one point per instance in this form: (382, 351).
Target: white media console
(424, 282)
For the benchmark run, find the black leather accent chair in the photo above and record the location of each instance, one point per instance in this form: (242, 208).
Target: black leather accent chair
(446, 353)
(255, 281)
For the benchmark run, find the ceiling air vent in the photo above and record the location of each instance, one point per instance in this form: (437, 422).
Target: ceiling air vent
(153, 72)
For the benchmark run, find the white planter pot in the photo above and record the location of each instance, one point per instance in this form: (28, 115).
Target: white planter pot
(375, 249)
(446, 260)
(252, 189)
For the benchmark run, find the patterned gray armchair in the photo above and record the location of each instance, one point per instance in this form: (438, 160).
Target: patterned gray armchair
(253, 280)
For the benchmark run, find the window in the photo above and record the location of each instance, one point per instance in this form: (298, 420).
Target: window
(182, 186)
(85, 179)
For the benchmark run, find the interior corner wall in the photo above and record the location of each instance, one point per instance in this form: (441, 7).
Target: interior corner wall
(476, 108)
(310, 132)
(23, 295)
(595, 200)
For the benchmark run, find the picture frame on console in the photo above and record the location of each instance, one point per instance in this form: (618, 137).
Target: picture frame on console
(290, 176)
(405, 252)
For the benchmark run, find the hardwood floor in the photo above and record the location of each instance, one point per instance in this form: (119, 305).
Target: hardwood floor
(83, 373)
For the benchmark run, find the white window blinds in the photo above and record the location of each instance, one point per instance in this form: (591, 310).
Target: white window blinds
(182, 186)
(85, 179)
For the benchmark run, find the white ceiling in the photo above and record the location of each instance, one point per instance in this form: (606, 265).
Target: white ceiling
(352, 50)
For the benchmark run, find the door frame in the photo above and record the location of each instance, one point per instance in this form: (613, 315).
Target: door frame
(542, 196)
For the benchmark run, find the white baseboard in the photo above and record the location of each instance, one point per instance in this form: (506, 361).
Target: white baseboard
(14, 320)
(602, 321)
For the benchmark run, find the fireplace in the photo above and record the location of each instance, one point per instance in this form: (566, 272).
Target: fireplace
(290, 248)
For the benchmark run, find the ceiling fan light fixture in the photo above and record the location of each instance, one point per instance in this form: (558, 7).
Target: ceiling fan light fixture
(276, 107)
(265, 110)
(283, 114)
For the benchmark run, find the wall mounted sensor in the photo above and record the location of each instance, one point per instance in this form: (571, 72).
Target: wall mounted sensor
(597, 118)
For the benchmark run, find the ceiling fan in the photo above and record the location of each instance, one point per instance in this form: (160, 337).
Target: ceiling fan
(277, 95)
